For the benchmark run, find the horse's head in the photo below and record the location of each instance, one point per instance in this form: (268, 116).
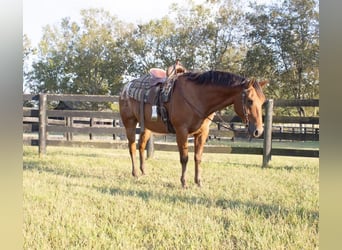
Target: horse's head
(249, 106)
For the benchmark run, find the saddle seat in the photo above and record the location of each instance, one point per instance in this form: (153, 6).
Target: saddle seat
(157, 76)
(158, 73)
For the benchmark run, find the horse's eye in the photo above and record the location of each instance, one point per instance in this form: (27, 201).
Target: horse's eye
(249, 102)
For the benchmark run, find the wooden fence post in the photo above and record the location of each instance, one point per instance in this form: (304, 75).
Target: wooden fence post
(115, 124)
(267, 133)
(91, 124)
(42, 124)
(69, 123)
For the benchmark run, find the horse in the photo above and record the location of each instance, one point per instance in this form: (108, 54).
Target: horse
(195, 99)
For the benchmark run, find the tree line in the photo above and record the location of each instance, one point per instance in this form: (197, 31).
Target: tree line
(97, 55)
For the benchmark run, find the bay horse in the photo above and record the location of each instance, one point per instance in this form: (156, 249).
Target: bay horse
(191, 108)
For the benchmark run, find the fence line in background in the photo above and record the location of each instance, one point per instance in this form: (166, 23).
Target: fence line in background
(70, 125)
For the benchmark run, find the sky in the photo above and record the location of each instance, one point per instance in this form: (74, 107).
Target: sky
(39, 13)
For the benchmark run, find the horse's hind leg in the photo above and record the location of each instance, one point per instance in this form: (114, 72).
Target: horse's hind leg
(130, 125)
(130, 122)
(144, 137)
(130, 132)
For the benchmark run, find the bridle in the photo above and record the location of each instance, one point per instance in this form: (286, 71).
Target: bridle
(244, 110)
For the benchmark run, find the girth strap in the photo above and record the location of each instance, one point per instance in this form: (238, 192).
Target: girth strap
(165, 118)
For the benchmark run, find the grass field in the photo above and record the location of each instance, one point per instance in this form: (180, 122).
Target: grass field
(81, 198)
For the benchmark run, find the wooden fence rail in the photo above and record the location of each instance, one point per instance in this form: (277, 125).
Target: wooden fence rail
(49, 122)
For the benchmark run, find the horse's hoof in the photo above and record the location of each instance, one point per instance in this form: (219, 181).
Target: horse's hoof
(199, 183)
(134, 174)
(183, 183)
(184, 186)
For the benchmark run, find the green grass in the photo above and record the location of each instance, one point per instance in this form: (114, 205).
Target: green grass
(79, 198)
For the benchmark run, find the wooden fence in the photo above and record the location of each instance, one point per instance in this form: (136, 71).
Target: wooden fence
(58, 127)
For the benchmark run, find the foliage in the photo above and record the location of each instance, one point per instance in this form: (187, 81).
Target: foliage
(211, 35)
(78, 198)
(285, 48)
(276, 41)
(82, 59)
(202, 37)
(148, 44)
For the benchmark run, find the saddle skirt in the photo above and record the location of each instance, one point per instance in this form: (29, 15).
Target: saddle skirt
(145, 88)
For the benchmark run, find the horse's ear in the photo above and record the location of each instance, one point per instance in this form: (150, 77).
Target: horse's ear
(263, 83)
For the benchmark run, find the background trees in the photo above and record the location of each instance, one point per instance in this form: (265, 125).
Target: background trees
(279, 42)
(285, 48)
(81, 58)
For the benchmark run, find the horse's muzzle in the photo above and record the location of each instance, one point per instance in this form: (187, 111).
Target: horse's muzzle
(254, 131)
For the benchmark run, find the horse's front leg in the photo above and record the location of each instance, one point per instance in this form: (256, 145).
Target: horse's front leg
(199, 142)
(144, 137)
(182, 142)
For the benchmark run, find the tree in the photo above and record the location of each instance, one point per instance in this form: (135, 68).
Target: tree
(28, 53)
(83, 59)
(148, 45)
(284, 40)
(278, 42)
(202, 36)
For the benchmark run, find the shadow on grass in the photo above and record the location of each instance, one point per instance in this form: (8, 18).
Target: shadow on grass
(268, 210)
(34, 165)
(249, 208)
(290, 168)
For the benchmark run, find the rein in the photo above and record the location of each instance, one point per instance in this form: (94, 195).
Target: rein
(222, 121)
(244, 110)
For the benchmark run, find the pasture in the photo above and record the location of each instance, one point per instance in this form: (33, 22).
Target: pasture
(86, 198)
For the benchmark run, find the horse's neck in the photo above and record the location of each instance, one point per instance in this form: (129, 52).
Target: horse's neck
(214, 98)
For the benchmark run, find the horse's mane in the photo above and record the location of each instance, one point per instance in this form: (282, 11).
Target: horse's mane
(215, 77)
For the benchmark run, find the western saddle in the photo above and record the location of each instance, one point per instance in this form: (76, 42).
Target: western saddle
(155, 88)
